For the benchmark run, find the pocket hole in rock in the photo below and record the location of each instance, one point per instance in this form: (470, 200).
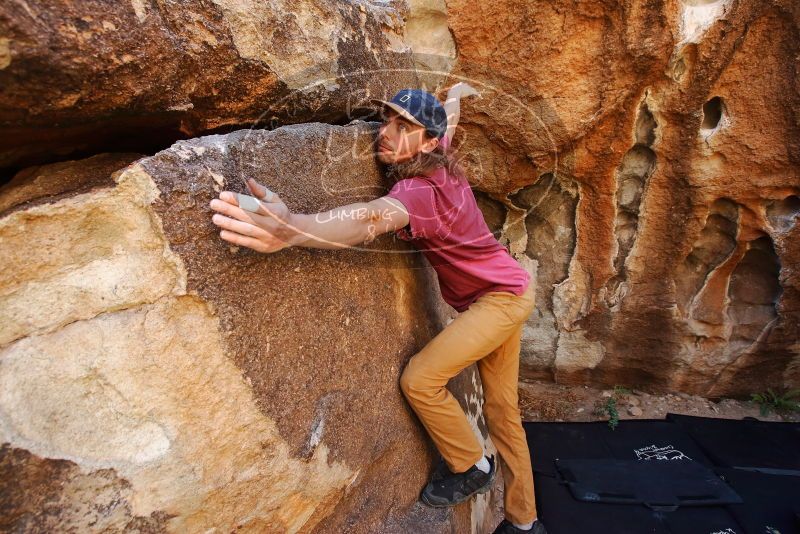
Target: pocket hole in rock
(753, 293)
(712, 113)
(782, 214)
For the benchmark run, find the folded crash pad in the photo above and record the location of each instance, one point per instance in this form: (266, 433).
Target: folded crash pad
(643, 439)
(768, 502)
(563, 514)
(660, 485)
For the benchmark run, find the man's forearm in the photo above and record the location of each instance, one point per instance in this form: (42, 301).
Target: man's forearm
(340, 227)
(452, 107)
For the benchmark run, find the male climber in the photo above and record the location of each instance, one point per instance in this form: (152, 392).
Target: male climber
(431, 205)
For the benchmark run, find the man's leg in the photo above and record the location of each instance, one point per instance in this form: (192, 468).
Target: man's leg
(499, 375)
(471, 336)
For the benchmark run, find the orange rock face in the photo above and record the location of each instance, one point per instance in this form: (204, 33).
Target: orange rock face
(647, 156)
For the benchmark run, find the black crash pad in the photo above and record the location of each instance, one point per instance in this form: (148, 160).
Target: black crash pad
(773, 447)
(644, 439)
(658, 484)
(562, 514)
(771, 502)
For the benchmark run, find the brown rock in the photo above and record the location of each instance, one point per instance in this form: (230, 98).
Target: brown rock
(48, 183)
(138, 75)
(657, 167)
(635, 411)
(55, 495)
(220, 389)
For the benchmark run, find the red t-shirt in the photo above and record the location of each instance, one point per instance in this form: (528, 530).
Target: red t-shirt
(449, 229)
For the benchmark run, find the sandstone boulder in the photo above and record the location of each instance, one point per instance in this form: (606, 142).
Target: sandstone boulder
(153, 377)
(91, 75)
(647, 158)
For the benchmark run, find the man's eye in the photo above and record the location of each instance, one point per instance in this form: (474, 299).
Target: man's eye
(402, 126)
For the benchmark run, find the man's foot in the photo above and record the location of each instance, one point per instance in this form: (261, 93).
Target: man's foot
(448, 489)
(506, 527)
(441, 471)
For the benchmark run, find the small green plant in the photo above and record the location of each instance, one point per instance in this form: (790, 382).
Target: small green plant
(610, 408)
(771, 401)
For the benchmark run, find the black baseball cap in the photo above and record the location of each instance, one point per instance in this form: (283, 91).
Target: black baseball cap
(419, 107)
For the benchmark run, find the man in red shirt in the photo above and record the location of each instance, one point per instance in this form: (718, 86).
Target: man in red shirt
(431, 205)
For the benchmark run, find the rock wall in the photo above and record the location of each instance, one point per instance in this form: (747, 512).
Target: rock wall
(154, 378)
(646, 155)
(140, 73)
(640, 157)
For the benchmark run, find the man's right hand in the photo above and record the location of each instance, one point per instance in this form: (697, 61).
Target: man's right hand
(268, 230)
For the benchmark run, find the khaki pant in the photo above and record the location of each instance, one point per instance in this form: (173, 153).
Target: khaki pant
(488, 333)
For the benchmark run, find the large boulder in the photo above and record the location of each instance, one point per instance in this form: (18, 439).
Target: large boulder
(646, 156)
(641, 158)
(154, 377)
(92, 75)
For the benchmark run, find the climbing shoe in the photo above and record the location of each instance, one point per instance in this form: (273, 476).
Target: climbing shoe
(441, 471)
(448, 489)
(506, 527)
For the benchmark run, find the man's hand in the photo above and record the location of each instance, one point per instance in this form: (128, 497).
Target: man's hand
(452, 106)
(461, 90)
(268, 230)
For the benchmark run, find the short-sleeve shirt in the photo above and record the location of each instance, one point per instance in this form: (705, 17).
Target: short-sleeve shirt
(447, 226)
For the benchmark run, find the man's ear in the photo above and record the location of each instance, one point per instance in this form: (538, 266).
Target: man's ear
(430, 145)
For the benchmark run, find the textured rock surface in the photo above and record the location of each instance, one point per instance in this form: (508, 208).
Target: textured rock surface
(430, 40)
(140, 72)
(173, 383)
(647, 159)
(641, 158)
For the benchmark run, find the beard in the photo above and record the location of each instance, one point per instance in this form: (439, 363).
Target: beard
(421, 163)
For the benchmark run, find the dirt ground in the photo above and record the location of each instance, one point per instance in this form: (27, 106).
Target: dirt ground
(540, 401)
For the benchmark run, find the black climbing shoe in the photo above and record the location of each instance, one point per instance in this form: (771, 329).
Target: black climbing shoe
(440, 471)
(448, 489)
(506, 527)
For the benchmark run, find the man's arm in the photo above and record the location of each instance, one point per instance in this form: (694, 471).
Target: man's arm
(274, 227)
(346, 226)
(452, 105)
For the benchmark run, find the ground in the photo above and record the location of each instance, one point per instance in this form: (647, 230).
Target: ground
(542, 401)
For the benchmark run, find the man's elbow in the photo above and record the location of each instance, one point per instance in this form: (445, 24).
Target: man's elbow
(376, 223)
(372, 227)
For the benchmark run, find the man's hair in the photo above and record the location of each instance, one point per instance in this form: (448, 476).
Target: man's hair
(426, 163)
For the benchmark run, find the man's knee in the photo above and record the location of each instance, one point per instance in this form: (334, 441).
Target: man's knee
(408, 381)
(413, 381)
